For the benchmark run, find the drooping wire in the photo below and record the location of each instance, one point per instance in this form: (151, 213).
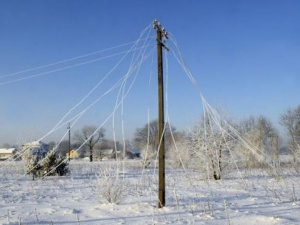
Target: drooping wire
(58, 125)
(105, 77)
(68, 60)
(121, 95)
(212, 112)
(110, 115)
(64, 68)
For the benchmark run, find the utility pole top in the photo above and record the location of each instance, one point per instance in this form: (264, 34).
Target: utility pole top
(157, 26)
(162, 33)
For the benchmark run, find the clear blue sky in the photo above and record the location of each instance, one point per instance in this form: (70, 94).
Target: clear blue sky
(244, 55)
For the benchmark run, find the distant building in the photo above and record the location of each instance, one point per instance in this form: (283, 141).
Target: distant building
(132, 153)
(6, 153)
(35, 148)
(73, 154)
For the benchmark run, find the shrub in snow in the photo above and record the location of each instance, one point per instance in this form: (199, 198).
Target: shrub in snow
(51, 165)
(112, 187)
(33, 167)
(54, 165)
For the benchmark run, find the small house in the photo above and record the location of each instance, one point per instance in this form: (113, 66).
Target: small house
(7, 153)
(73, 154)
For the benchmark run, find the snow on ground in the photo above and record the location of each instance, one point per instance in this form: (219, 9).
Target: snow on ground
(75, 199)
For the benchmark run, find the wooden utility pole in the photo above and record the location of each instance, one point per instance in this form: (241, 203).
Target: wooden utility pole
(69, 128)
(161, 33)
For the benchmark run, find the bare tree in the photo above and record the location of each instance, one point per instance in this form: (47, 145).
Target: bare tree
(147, 135)
(264, 139)
(268, 139)
(99, 151)
(146, 139)
(290, 120)
(90, 135)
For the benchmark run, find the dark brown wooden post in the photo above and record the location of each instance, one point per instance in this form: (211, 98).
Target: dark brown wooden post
(160, 33)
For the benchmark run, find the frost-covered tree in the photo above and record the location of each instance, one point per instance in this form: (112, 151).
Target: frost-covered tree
(146, 139)
(211, 145)
(290, 120)
(90, 135)
(263, 140)
(179, 151)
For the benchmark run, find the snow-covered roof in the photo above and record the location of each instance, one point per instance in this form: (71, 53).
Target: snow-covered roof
(7, 150)
(34, 143)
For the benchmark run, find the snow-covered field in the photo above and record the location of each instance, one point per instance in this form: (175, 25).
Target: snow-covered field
(251, 197)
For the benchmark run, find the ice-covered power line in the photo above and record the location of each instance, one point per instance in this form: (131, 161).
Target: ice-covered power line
(106, 120)
(71, 59)
(135, 57)
(215, 117)
(66, 67)
(134, 67)
(124, 84)
(110, 115)
(118, 83)
(104, 78)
